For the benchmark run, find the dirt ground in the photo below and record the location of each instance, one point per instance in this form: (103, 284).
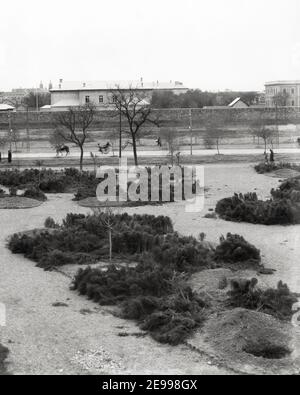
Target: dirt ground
(79, 337)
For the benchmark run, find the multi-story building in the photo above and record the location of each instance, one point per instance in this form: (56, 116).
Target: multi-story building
(100, 93)
(283, 93)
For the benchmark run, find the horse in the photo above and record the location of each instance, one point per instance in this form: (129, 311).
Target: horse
(158, 142)
(104, 149)
(60, 149)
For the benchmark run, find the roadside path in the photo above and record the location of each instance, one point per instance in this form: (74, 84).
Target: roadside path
(155, 152)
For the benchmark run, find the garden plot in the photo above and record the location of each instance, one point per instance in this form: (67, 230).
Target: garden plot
(36, 290)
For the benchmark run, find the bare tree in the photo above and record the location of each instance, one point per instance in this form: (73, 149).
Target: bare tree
(94, 158)
(133, 106)
(15, 137)
(170, 136)
(216, 126)
(214, 134)
(107, 219)
(261, 130)
(73, 126)
(4, 139)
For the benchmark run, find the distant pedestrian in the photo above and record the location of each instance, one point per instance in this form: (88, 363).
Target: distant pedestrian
(9, 156)
(272, 156)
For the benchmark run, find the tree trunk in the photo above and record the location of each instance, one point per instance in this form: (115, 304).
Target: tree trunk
(218, 147)
(81, 159)
(110, 245)
(134, 150)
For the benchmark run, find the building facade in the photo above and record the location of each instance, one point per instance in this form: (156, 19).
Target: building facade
(283, 94)
(100, 93)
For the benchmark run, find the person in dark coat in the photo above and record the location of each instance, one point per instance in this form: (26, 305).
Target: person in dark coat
(272, 156)
(9, 156)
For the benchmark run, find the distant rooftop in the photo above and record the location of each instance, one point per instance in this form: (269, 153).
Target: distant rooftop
(235, 101)
(284, 82)
(111, 85)
(6, 107)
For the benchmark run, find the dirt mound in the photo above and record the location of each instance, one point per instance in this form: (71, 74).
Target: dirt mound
(250, 342)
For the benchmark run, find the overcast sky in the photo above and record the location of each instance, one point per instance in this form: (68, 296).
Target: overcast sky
(211, 45)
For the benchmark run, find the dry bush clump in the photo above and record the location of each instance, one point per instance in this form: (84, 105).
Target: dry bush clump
(282, 209)
(235, 248)
(263, 167)
(276, 302)
(156, 297)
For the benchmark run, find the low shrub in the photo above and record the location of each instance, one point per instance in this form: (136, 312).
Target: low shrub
(53, 185)
(2, 193)
(263, 168)
(50, 223)
(183, 254)
(235, 248)
(85, 192)
(13, 191)
(35, 193)
(282, 209)
(152, 295)
(48, 180)
(84, 239)
(276, 302)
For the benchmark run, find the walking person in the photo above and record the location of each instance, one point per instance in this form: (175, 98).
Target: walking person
(272, 156)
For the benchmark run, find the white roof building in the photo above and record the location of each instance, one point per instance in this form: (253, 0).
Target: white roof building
(6, 107)
(72, 94)
(238, 103)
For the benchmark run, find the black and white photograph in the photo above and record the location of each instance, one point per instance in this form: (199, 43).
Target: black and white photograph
(149, 190)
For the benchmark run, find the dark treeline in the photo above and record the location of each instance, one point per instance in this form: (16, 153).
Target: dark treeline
(198, 99)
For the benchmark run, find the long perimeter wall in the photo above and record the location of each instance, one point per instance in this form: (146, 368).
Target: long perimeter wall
(106, 120)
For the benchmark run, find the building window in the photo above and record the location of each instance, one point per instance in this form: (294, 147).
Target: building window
(114, 99)
(293, 103)
(87, 99)
(101, 99)
(293, 91)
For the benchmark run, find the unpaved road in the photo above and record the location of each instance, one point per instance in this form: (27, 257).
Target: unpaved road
(62, 340)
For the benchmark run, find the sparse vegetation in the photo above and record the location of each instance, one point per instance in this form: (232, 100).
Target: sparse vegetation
(155, 292)
(276, 302)
(283, 208)
(50, 223)
(50, 181)
(83, 239)
(35, 193)
(3, 355)
(153, 295)
(263, 168)
(235, 248)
